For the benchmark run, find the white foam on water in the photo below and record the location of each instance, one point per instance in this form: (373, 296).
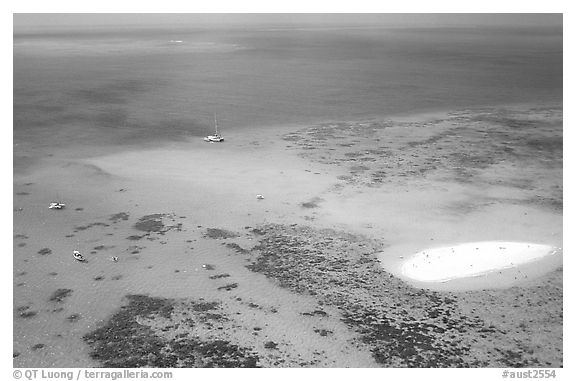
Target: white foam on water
(471, 259)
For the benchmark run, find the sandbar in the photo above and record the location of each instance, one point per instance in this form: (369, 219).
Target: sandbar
(471, 259)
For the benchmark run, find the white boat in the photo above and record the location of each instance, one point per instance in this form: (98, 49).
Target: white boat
(216, 138)
(77, 256)
(56, 205)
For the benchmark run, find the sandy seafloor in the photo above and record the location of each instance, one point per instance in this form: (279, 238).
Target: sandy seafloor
(208, 275)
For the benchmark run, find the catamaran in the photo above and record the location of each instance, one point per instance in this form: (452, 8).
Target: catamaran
(216, 138)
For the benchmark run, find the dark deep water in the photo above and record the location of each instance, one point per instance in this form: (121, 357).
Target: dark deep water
(129, 86)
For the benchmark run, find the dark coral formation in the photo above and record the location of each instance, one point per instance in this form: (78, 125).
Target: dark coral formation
(60, 294)
(219, 276)
(216, 233)
(139, 336)
(25, 312)
(404, 326)
(122, 216)
(228, 287)
(150, 223)
(313, 203)
(459, 147)
(234, 246)
(154, 223)
(89, 226)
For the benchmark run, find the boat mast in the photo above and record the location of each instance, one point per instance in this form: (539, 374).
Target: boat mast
(215, 124)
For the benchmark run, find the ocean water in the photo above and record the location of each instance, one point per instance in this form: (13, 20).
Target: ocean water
(85, 92)
(111, 87)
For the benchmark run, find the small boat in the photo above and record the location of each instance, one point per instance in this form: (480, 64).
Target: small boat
(77, 256)
(216, 138)
(56, 205)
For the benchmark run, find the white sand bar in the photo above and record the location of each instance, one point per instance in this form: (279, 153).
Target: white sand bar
(472, 259)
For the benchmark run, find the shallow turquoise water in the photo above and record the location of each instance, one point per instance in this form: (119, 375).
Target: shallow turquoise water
(127, 86)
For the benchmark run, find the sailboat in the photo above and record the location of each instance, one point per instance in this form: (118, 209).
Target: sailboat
(216, 138)
(76, 253)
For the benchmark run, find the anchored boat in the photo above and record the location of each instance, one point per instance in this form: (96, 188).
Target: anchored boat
(77, 256)
(56, 205)
(216, 138)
